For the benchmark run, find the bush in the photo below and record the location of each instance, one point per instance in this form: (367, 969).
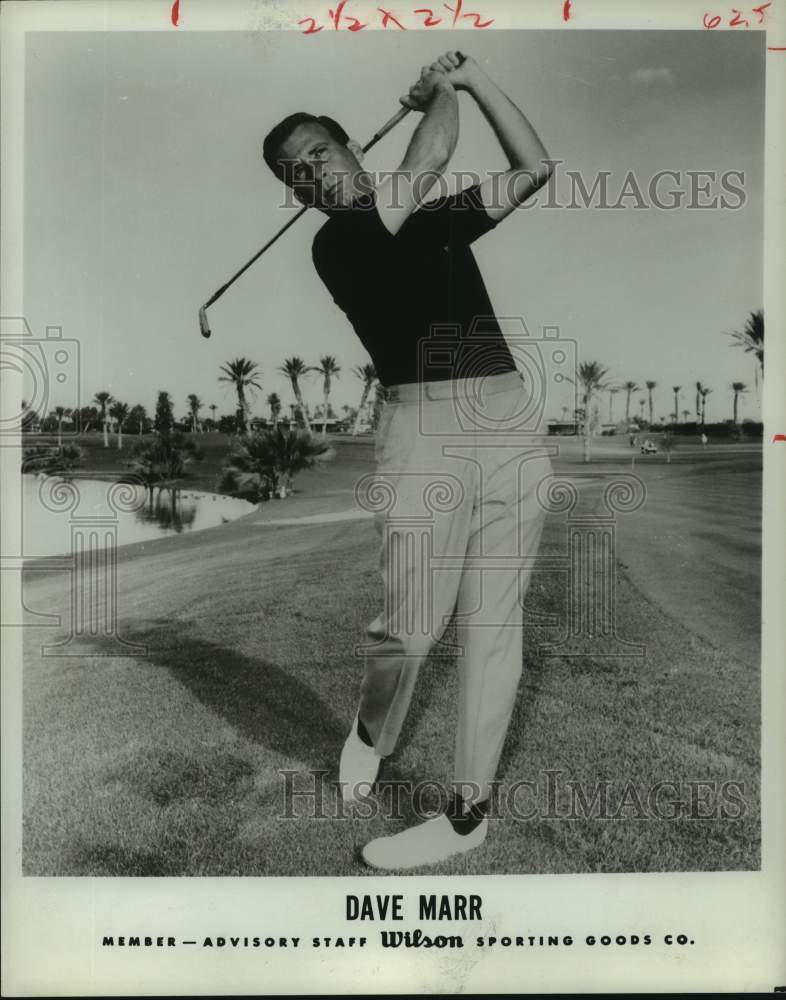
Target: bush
(227, 424)
(722, 430)
(164, 458)
(51, 459)
(265, 464)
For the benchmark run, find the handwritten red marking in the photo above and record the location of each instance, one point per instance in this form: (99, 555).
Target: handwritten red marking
(566, 11)
(335, 17)
(176, 12)
(478, 23)
(312, 28)
(342, 20)
(457, 13)
(779, 437)
(387, 16)
(736, 17)
(430, 21)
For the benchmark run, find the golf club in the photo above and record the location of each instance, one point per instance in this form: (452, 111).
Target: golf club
(389, 124)
(203, 324)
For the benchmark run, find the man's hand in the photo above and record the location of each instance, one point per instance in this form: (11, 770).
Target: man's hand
(463, 72)
(433, 79)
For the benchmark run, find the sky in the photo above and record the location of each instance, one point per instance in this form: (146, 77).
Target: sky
(145, 190)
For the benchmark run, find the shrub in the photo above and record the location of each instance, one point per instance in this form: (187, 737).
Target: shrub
(51, 459)
(164, 458)
(266, 463)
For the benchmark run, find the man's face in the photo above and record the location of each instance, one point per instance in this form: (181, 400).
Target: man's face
(322, 173)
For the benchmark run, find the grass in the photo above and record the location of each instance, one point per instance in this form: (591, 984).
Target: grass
(170, 764)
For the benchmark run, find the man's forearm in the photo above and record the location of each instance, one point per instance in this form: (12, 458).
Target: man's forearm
(429, 150)
(435, 138)
(518, 138)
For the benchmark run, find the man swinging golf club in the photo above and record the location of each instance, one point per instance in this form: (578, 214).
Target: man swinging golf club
(399, 269)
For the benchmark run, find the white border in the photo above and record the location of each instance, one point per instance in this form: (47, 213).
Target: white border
(51, 943)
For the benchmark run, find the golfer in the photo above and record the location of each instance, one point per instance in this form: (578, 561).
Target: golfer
(402, 270)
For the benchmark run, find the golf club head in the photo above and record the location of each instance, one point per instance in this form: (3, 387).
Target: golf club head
(203, 324)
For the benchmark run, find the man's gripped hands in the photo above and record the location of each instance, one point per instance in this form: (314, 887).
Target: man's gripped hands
(434, 140)
(451, 71)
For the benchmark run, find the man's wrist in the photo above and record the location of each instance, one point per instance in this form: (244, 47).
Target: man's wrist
(480, 85)
(443, 86)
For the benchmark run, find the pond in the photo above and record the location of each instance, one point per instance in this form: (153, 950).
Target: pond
(53, 506)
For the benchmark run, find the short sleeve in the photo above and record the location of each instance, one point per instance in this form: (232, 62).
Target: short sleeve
(456, 218)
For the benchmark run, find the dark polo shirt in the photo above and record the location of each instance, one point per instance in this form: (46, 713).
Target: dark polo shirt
(413, 298)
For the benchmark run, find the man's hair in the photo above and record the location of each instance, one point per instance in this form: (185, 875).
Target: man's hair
(281, 132)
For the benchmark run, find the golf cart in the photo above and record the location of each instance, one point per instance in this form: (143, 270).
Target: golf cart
(649, 448)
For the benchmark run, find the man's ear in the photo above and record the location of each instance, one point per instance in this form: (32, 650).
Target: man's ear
(356, 149)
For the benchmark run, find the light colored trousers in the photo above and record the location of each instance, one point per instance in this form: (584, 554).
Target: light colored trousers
(460, 523)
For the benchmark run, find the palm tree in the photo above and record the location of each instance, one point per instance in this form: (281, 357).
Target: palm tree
(120, 412)
(630, 388)
(739, 389)
(265, 463)
(685, 415)
(368, 375)
(650, 386)
(104, 399)
(591, 376)
(61, 412)
(195, 404)
(641, 410)
(274, 402)
(327, 368)
(705, 391)
(612, 391)
(751, 337)
(676, 390)
(86, 414)
(163, 460)
(296, 368)
(139, 416)
(213, 409)
(243, 374)
(164, 420)
(699, 390)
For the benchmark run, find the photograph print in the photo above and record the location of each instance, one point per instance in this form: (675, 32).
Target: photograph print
(430, 543)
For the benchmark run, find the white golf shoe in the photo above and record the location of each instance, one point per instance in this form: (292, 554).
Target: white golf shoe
(426, 844)
(358, 767)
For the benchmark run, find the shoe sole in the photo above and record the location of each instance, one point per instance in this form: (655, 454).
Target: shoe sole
(422, 864)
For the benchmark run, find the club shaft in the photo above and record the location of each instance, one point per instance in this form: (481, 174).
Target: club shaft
(257, 255)
(389, 124)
